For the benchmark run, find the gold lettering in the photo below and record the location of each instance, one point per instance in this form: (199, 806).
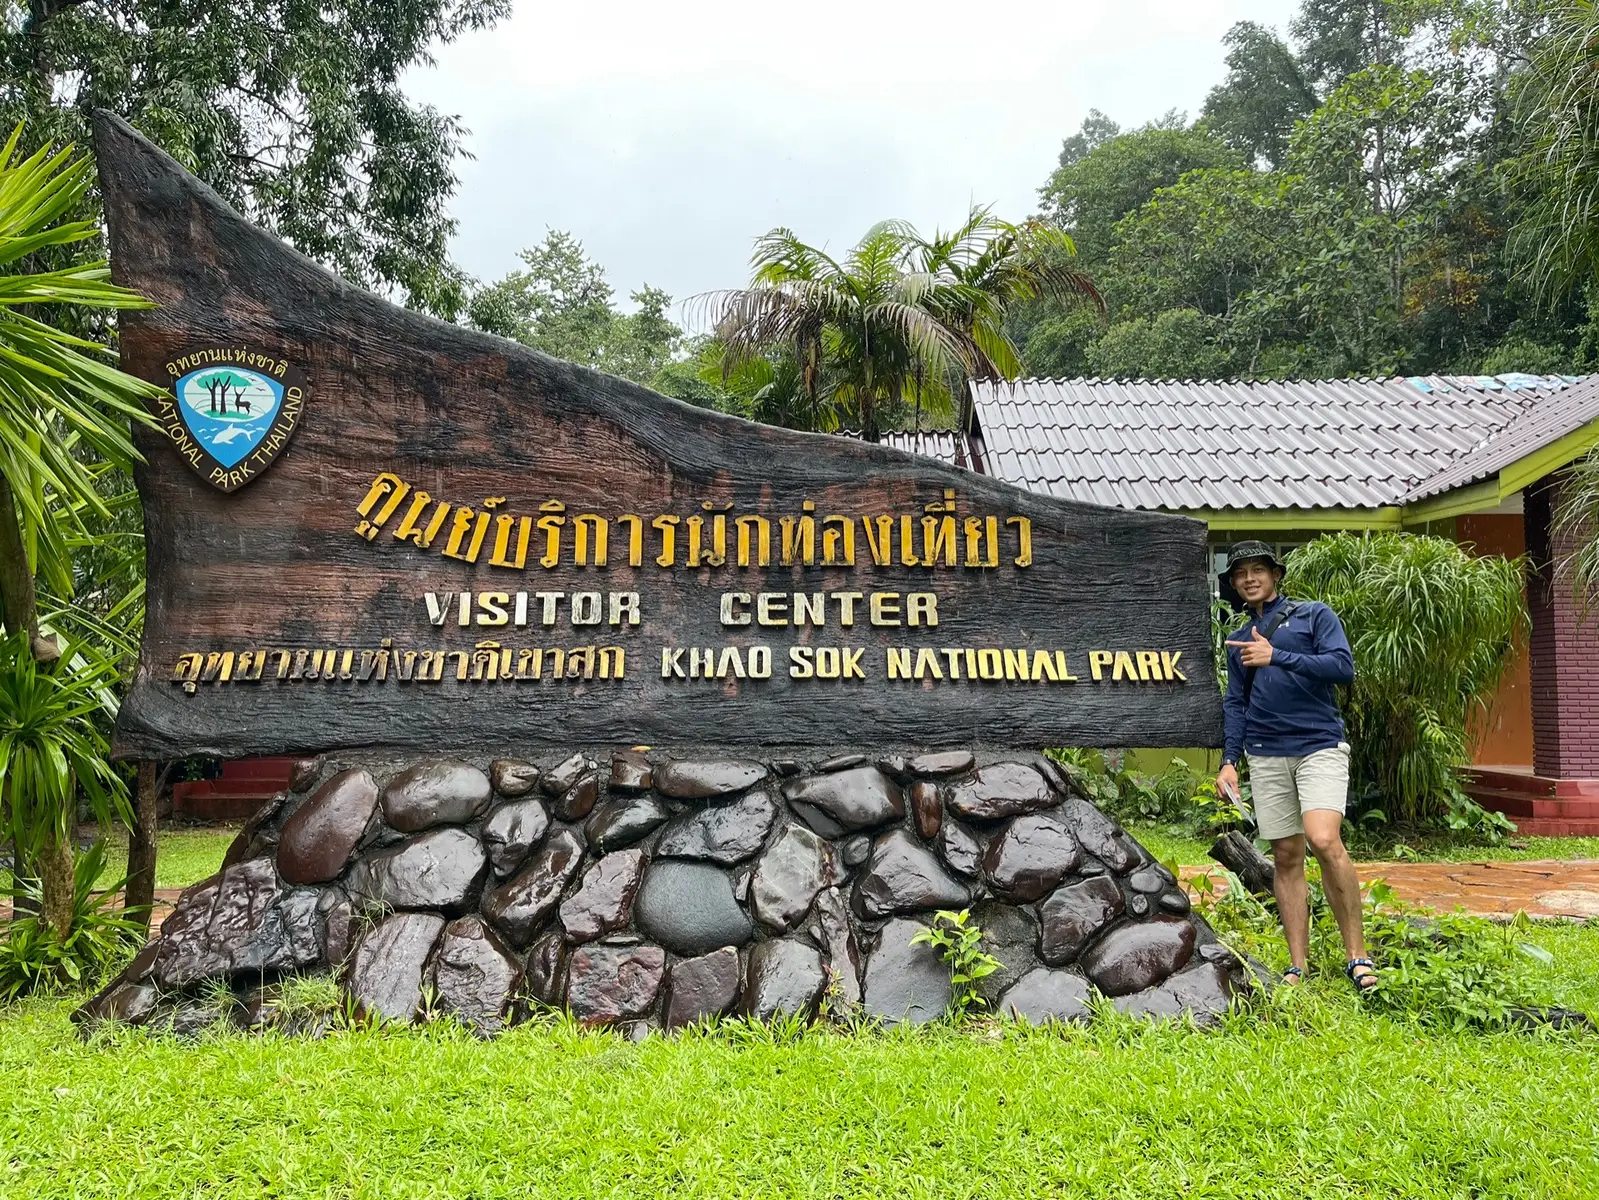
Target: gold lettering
(1149, 666)
(838, 541)
(763, 540)
(1125, 668)
(1169, 668)
(921, 608)
(885, 608)
(503, 524)
(1024, 540)
(589, 526)
(551, 524)
(389, 488)
(899, 662)
(635, 538)
(927, 665)
(668, 530)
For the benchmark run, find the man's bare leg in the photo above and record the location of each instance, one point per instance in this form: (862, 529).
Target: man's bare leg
(1323, 830)
(1293, 898)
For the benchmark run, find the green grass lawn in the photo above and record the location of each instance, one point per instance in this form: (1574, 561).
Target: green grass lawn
(1168, 842)
(1313, 1097)
(183, 855)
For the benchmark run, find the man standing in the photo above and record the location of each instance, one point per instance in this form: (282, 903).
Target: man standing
(1280, 707)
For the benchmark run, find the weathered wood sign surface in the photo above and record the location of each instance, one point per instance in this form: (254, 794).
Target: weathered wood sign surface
(468, 544)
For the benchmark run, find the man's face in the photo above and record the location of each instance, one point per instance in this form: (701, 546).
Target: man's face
(1255, 579)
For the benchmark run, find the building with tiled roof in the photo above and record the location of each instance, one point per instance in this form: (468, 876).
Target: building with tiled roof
(1472, 457)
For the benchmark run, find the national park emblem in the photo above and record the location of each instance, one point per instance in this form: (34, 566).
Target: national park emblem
(231, 411)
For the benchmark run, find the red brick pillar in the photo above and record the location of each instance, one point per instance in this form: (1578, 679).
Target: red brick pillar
(1563, 654)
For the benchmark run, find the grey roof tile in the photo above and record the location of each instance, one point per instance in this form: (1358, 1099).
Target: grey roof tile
(1298, 444)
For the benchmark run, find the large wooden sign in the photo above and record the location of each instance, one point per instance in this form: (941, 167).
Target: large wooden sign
(467, 544)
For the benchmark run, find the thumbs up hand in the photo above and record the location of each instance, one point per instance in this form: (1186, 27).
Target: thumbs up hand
(1256, 652)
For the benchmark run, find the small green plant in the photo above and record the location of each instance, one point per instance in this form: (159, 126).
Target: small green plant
(959, 944)
(34, 958)
(1464, 815)
(1451, 970)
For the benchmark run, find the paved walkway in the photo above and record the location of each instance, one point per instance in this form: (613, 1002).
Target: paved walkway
(1552, 888)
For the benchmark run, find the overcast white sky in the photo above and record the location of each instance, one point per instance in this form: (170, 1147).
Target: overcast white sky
(667, 136)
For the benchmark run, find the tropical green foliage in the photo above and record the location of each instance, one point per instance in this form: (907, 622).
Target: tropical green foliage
(1575, 530)
(1558, 168)
(895, 328)
(64, 408)
(561, 304)
(34, 957)
(1339, 210)
(1433, 629)
(294, 113)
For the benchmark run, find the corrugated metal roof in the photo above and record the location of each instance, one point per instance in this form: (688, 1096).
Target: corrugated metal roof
(945, 445)
(1358, 443)
(1542, 425)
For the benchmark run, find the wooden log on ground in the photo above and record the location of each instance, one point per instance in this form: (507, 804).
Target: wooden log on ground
(1238, 854)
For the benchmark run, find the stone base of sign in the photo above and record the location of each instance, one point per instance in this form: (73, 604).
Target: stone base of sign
(650, 889)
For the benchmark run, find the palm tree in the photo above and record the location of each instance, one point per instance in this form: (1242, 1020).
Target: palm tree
(64, 412)
(902, 320)
(1557, 100)
(862, 332)
(993, 264)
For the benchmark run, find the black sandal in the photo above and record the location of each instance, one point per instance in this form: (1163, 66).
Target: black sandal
(1363, 983)
(1297, 972)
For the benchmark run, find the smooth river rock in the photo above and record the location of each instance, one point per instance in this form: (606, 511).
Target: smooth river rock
(856, 798)
(721, 833)
(319, 838)
(928, 807)
(475, 974)
(941, 762)
(442, 869)
(1075, 913)
(832, 929)
(1130, 958)
(1010, 934)
(630, 772)
(513, 778)
(564, 774)
(689, 908)
(386, 976)
(1046, 994)
(905, 982)
(904, 876)
(961, 849)
(623, 821)
(784, 976)
(786, 880)
(435, 792)
(1100, 836)
(546, 969)
(512, 831)
(606, 984)
(702, 779)
(601, 905)
(1000, 790)
(578, 800)
(1031, 856)
(518, 908)
(701, 988)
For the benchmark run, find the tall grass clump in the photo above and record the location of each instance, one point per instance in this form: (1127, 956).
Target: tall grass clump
(1433, 629)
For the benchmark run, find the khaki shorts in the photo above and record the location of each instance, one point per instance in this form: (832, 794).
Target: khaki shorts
(1284, 789)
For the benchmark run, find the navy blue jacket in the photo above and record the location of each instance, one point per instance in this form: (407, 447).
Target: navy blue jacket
(1292, 710)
